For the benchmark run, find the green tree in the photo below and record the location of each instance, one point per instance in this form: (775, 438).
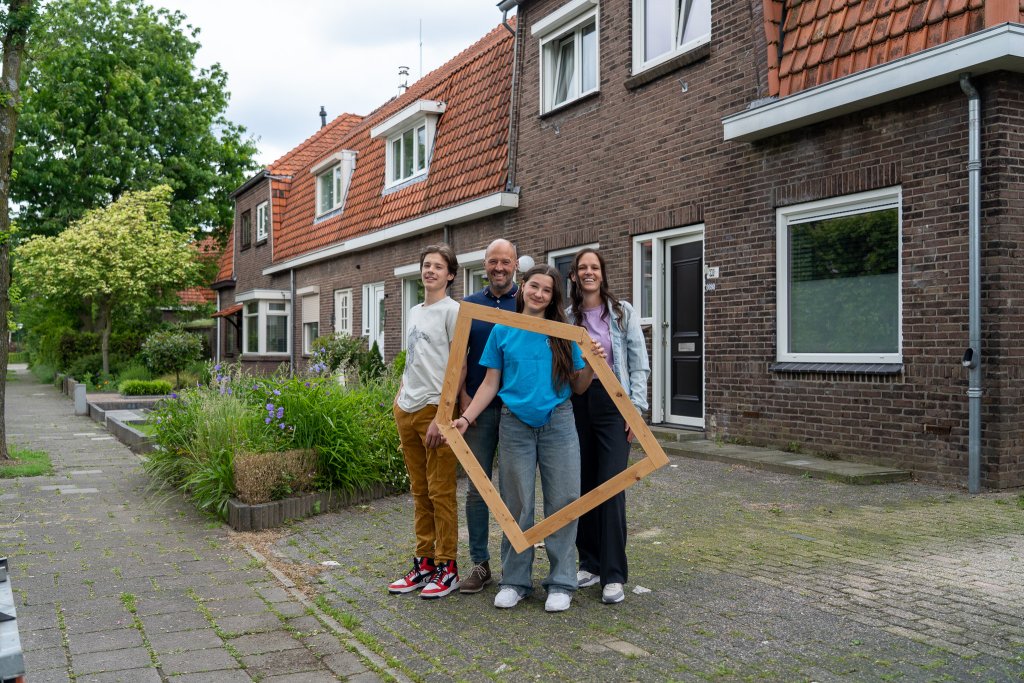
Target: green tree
(113, 102)
(15, 18)
(118, 260)
(171, 351)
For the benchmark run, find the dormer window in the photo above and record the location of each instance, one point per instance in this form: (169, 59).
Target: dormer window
(663, 29)
(333, 176)
(410, 141)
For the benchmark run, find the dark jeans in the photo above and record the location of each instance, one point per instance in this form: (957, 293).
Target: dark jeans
(604, 453)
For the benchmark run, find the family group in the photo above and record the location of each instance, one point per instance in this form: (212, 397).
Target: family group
(528, 401)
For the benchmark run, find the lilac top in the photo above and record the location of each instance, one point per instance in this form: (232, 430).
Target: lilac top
(597, 327)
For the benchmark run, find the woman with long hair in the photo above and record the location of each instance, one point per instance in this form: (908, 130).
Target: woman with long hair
(534, 375)
(603, 434)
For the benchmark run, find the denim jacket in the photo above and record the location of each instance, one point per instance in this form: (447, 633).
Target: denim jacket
(629, 353)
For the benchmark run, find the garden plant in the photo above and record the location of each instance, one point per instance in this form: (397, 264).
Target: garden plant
(200, 430)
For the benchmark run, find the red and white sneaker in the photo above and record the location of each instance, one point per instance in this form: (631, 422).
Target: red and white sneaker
(423, 569)
(444, 581)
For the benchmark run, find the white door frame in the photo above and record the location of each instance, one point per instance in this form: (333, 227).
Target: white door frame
(373, 295)
(660, 293)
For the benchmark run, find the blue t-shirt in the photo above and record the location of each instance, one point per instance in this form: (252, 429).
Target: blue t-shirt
(479, 331)
(524, 359)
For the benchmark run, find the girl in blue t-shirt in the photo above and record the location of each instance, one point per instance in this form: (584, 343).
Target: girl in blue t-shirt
(534, 375)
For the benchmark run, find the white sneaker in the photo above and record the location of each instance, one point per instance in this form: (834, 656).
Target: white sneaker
(558, 602)
(612, 593)
(585, 578)
(507, 597)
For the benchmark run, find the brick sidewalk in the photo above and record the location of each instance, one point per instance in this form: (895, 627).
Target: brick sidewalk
(752, 576)
(114, 583)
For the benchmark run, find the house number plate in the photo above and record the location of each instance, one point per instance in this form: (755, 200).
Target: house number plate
(685, 347)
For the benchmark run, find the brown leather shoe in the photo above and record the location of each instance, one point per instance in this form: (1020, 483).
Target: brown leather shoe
(478, 577)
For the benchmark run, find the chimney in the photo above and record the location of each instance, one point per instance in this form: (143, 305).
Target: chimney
(403, 80)
(323, 116)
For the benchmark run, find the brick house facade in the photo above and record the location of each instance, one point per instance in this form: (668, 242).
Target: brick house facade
(772, 124)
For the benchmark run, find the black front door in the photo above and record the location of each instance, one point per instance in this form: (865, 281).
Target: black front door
(685, 379)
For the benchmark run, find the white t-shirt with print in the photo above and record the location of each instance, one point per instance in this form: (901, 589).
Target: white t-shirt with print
(428, 340)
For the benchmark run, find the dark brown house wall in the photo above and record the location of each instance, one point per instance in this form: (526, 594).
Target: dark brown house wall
(250, 262)
(632, 161)
(378, 265)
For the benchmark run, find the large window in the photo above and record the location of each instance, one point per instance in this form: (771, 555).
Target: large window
(246, 230)
(663, 29)
(333, 175)
(569, 54)
(265, 326)
(310, 303)
(839, 280)
(408, 153)
(262, 222)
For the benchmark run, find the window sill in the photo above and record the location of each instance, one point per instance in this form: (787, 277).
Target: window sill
(327, 215)
(401, 185)
(837, 368)
(261, 242)
(568, 105)
(244, 247)
(265, 356)
(658, 70)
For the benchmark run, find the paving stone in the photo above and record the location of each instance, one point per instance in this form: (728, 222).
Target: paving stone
(113, 660)
(252, 623)
(176, 621)
(222, 676)
(304, 677)
(148, 675)
(101, 641)
(178, 641)
(285, 662)
(36, 639)
(344, 664)
(195, 661)
(259, 643)
(47, 658)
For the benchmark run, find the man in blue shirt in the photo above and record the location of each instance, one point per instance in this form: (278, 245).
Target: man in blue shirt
(500, 261)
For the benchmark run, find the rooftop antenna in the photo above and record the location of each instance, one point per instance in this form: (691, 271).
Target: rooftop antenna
(403, 80)
(421, 48)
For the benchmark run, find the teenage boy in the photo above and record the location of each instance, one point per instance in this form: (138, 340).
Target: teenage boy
(431, 463)
(500, 262)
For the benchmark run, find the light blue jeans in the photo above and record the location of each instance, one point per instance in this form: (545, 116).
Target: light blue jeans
(555, 448)
(482, 438)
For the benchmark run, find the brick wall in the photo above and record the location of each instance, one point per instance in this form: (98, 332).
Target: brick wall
(633, 161)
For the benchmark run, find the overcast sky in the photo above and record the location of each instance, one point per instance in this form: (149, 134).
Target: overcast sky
(285, 59)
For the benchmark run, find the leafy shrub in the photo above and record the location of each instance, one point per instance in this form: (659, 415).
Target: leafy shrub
(144, 387)
(349, 355)
(371, 365)
(134, 370)
(17, 357)
(171, 351)
(99, 382)
(43, 373)
(89, 364)
(262, 477)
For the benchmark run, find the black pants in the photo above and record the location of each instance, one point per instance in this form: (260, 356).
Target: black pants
(604, 453)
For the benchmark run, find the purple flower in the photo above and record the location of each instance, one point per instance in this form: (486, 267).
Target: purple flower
(280, 412)
(270, 407)
(276, 392)
(281, 425)
(306, 383)
(229, 391)
(216, 368)
(173, 395)
(266, 420)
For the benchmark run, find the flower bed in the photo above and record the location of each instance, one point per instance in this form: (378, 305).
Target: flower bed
(351, 429)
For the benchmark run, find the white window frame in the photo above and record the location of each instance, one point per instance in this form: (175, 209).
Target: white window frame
(638, 274)
(864, 202)
(472, 266)
(639, 38)
(422, 114)
(263, 312)
(369, 300)
(337, 169)
(409, 276)
(309, 299)
(262, 221)
(569, 22)
(343, 311)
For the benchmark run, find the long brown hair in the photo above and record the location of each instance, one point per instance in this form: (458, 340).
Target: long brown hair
(562, 369)
(576, 292)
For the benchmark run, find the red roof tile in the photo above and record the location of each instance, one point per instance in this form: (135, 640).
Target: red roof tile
(469, 157)
(226, 262)
(860, 34)
(197, 295)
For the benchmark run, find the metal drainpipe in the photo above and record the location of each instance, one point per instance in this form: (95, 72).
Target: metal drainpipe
(972, 357)
(510, 181)
(291, 311)
(216, 354)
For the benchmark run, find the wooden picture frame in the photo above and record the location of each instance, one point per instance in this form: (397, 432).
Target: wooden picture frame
(519, 538)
